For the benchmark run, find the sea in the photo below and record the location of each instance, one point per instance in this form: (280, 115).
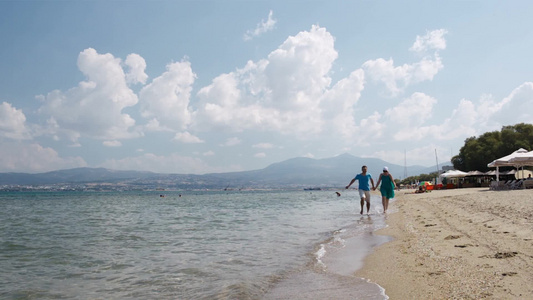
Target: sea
(187, 245)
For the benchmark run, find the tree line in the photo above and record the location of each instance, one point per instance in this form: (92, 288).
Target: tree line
(418, 178)
(478, 152)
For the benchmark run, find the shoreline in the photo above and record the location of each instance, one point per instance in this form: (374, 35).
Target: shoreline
(461, 243)
(334, 261)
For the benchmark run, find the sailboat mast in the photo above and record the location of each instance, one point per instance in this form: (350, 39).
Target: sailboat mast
(437, 159)
(405, 164)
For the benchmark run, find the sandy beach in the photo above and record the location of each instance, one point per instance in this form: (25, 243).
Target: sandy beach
(456, 244)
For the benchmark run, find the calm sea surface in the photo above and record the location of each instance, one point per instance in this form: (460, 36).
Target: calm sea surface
(200, 245)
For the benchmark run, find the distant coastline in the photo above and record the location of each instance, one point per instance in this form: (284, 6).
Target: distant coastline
(297, 173)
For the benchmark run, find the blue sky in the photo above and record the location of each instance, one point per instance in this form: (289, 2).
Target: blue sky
(219, 86)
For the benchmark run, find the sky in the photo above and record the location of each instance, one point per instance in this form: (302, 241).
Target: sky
(196, 87)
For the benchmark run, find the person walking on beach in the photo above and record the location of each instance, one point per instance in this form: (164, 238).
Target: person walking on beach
(364, 188)
(387, 187)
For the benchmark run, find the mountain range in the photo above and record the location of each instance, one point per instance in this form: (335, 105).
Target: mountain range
(296, 172)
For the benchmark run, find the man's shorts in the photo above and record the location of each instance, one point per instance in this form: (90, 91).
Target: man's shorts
(364, 195)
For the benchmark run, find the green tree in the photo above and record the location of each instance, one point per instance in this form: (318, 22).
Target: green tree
(421, 177)
(478, 152)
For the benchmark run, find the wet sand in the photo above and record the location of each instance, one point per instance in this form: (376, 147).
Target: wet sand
(456, 244)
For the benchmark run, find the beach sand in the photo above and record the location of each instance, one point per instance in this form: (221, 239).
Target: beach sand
(456, 244)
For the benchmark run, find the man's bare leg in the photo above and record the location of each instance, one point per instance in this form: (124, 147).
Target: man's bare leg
(362, 205)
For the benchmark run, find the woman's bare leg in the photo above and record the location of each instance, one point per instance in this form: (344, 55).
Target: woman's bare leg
(385, 202)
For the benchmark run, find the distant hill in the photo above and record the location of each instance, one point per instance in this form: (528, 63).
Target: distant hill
(297, 172)
(76, 175)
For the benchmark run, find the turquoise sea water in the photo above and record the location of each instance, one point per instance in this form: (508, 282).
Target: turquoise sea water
(200, 245)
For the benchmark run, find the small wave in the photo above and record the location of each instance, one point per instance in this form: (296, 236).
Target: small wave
(320, 254)
(338, 242)
(382, 290)
(339, 231)
(241, 290)
(128, 237)
(232, 261)
(9, 246)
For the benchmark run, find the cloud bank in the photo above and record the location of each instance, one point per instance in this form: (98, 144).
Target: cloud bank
(288, 94)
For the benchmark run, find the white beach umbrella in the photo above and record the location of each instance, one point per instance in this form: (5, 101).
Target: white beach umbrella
(506, 161)
(523, 159)
(454, 174)
(475, 173)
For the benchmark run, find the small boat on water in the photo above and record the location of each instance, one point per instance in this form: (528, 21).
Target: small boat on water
(313, 189)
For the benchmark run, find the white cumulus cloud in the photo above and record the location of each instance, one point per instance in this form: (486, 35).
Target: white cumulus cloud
(470, 118)
(517, 107)
(308, 155)
(234, 141)
(94, 107)
(397, 78)
(281, 93)
(433, 40)
(12, 122)
(112, 143)
(413, 111)
(186, 137)
(208, 153)
(34, 158)
(166, 99)
(263, 146)
(136, 65)
(172, 163)
(262, 27)
(260, 155)
(338, 104)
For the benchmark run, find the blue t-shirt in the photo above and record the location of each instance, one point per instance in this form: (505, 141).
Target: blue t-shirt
(363, 181)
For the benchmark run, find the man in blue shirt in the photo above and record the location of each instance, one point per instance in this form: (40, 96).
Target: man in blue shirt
(364, 188)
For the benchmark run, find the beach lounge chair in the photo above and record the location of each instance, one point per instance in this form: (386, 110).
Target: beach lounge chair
(509, 184)
(493, 185)
(502, 185)
(528, 184)
(517, 184)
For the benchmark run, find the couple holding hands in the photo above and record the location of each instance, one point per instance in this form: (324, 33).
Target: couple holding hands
(387, 187)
